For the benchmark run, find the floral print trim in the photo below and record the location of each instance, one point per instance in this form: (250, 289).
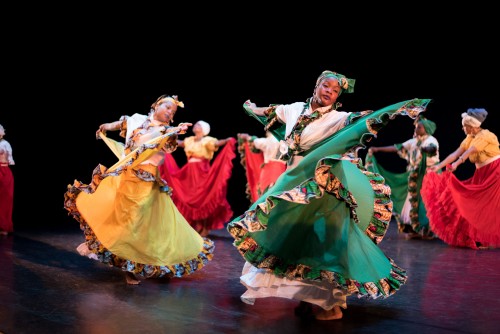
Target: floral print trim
(142, 129)
(167, 143)
(412, 109)
(415, 177)
(147, 270)
(293, 139)
(323, 181)
(273, 123)
(105, 256)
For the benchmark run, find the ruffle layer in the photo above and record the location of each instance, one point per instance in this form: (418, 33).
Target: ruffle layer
(447, 219)
(256, 220)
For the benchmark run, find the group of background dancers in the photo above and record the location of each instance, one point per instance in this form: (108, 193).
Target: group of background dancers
(317, 213)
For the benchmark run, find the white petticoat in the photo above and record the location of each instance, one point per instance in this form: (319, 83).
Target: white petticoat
(261, 283)
(84, 250)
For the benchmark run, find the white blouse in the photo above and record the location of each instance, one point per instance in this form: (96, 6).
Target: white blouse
(157, 129)
(269, 146)
(414, 151)
(315, 131)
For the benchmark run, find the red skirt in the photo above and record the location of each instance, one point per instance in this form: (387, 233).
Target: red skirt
(199, 190)
(465, 213)
(269, 174)
(6, 199)
(260, 176)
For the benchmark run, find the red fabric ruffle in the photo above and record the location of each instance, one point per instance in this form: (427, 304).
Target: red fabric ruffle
(6, 199)
(464, 213)
(199, 190)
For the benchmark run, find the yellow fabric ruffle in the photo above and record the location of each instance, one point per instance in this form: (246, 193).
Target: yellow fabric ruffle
(135, 220)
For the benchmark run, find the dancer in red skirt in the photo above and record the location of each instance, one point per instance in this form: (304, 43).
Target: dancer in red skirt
(6, 185)
(465, 213)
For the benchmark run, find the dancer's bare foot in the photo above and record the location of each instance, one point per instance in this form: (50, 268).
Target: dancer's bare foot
(412, 235)
(131, 279)
(334, 314)
(204, 232)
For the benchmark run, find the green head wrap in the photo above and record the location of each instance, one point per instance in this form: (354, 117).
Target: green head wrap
(429, 126)
(346, 85)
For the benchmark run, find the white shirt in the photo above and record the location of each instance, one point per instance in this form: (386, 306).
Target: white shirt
(269, 146)
(414, 154)
(315, 131)
(157, 129)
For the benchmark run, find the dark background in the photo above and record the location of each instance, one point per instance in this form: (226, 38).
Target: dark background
(58, 89)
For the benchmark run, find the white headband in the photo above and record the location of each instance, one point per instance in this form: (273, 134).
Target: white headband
(205, 127)
(470, 121)
(174, 101)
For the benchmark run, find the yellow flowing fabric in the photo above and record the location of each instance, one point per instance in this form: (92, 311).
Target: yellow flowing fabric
(129, 219)
(138, 155)
(115, 146)
(122, 211)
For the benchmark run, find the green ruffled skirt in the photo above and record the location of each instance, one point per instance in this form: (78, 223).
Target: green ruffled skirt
(323, 219)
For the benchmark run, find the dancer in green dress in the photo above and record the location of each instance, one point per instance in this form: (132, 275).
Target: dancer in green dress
(313, 236)
(420, 152)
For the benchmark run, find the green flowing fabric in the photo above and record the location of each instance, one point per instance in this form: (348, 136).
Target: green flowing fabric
(354, 135)
(397, 181)
(323, 219)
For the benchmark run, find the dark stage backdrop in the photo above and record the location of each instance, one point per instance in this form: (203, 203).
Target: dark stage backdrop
(57, 101)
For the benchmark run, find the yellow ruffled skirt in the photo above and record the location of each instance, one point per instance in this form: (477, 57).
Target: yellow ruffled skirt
(130, 222)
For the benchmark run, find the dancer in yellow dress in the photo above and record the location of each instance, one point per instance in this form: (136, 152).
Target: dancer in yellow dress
(126, 213)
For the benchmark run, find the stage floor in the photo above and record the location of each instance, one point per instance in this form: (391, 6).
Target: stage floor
(47, 287)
